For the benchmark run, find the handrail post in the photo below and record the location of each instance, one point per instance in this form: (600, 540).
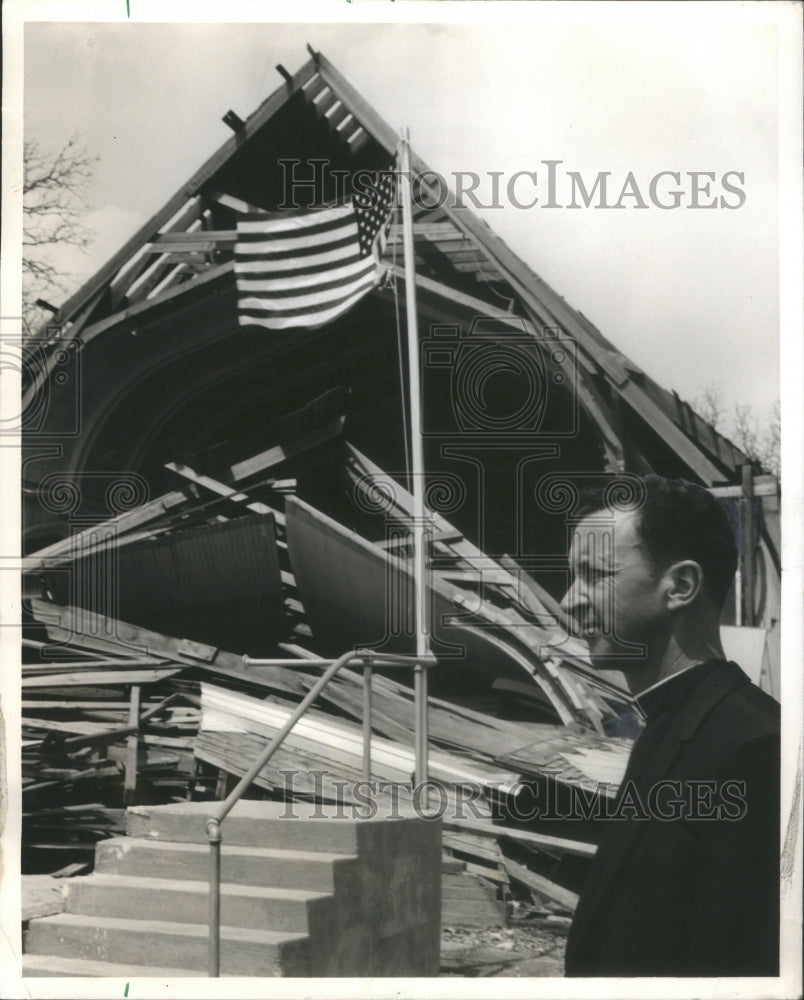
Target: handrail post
(215, 837)
(213, 826)
(421, 727)
(367, 693)
(224, 808)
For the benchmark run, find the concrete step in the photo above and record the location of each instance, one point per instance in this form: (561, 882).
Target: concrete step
(164, 943)
(259, 866)
(52, 965)
(178, 900)
(299, 826)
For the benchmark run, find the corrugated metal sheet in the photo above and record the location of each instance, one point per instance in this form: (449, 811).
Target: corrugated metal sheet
(235, 559)
(218, 583)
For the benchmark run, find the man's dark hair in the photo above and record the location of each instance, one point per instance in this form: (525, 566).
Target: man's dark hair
(676, 520)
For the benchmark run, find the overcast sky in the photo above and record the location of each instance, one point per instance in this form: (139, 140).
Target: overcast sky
(689, 294)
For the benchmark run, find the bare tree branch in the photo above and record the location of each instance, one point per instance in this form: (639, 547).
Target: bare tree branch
(743, 427)
(709, 405)
(54, 202)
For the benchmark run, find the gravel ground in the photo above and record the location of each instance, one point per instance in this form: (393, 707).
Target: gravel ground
(525, 949)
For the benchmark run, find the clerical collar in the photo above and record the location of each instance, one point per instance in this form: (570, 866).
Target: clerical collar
(673, 689)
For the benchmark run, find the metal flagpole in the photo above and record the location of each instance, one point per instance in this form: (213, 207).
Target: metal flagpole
(420, 597)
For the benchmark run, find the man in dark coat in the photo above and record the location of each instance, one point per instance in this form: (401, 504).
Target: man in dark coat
(685, 881)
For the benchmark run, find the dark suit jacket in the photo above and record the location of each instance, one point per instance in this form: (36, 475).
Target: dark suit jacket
(684, 896)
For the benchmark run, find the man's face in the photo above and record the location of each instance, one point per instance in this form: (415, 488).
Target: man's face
(615, 595)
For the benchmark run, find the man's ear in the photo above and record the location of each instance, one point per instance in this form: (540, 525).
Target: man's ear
(684, 584)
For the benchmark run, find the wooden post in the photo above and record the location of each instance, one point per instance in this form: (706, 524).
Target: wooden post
(747, 504)
(132, 746)
(367, 700)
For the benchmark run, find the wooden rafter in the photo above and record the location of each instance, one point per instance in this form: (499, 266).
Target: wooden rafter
(189, 189)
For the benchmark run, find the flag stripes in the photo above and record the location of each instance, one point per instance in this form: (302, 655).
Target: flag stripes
(305, 270)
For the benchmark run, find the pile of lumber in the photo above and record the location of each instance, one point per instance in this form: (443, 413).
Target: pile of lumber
(116, 711)
(133, 718)
(97, 734)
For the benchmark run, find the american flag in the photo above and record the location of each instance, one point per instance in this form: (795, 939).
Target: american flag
(308, 269)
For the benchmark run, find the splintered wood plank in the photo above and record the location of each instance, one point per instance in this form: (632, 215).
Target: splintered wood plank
(475, 846)
(340, 739)
(595, 763)
(289, 769)
(280, 453)
(542, 885)
(236, 496)
(558, 845)
(37, 669)
(85, 707)
(484, 738)
(199, 241)
(495, 874)
(71, 726)
(79, 627)
(98, 773)
(128, 275)
(130, 779)
(118, 677)
(84, 541)
(342, 696)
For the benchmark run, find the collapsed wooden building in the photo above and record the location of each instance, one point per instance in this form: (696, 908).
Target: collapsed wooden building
(201, 497)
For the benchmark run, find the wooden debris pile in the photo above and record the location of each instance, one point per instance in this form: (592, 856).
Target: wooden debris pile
(97, 733)
(118, 710)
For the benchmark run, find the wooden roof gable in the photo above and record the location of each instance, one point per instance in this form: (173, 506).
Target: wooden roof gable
(177, 251)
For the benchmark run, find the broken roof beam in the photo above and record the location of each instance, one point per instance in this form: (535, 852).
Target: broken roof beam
(534, 291)
(559, 845)
(154, 280)
(470, 303)
(86, 541)
(140, 308)
(78, 627)
(330, 109)
(281, 452)
(161, 274)
(363, 111)
(188, 215)
(189, 189)
(236, 496)
(542, 885)
(205, 241)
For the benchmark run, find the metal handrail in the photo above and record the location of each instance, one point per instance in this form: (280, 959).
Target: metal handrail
(369, 660)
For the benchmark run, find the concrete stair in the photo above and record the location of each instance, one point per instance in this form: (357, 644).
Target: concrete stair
(307, 894)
